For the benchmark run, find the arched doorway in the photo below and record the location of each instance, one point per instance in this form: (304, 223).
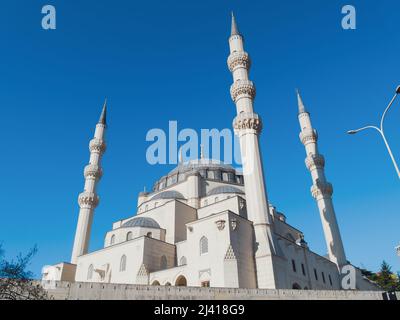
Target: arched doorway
(155, 283)
(296, 286)
(181, 281)
(167, 284)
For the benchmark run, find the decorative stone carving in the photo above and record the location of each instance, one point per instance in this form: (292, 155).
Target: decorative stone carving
(247, 121)
(308, 136)
(220, 224)
(202, 272)
(321, 190)
(230, 254)
(239, 59)
(88, 200)
(93, 171)
(97, 145)
(142, 271)
(234, 224)
(242, 89)
(315, 161)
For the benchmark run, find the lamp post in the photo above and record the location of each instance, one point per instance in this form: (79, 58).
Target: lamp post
(382, 132)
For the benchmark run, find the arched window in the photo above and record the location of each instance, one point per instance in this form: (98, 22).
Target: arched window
(90, 272)
(163, 262)
(203, 245)
(149, 234)
(129, 236)
(182, 261)
(112, 241)
(155, 283)
(181, 281)
(122, 265)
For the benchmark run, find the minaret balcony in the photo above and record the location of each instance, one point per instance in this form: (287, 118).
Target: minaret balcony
(247, 121)
(321, 190)
(239, 60)
(242, 89)
(315, 161)
(93, 171)
(97, 145)
(88, 200)
(308, 136)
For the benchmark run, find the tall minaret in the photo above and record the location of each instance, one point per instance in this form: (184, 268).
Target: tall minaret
(321, 190)
(88, 199)
(247, 126)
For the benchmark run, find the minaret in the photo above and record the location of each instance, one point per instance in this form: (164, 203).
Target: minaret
(88, 199)
(321, 189)
(247, 126)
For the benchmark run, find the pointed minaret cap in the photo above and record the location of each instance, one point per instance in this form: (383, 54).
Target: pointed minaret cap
(103, 116)
(234, 28)
(300, 103)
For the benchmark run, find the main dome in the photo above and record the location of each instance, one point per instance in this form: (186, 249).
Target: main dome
(144, 222)
(198, 164)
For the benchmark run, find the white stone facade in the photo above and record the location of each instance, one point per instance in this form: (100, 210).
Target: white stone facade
(206, 224)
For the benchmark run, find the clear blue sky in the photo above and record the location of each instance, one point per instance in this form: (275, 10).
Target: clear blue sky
(166, 60)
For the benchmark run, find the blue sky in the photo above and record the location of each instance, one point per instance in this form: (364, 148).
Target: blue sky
(166, 60)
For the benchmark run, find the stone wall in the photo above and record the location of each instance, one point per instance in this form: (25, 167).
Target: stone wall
(99, 291)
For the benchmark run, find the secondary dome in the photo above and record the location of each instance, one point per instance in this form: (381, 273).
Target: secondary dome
(168, 195)
(144, 222)
(224, 189)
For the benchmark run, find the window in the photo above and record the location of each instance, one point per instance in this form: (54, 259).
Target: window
(323, 277)
(163, 262)
(203, 245)
(112, 241)
(129, 236)
(122, 265)
(90, 272)
(303, 269)
(224, 176)
(315, 274)
(183, 261)
(210, 174)
(205, 284)
(330, 279)
(294, 265)
(149, 234)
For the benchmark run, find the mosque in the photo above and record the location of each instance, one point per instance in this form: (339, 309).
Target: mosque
(206, 224)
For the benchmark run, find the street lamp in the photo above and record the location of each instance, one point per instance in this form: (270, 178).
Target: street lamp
(381, 131)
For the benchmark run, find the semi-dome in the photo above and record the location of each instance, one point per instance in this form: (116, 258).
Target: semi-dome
(224, 189)
(171, 194)
(144, 222)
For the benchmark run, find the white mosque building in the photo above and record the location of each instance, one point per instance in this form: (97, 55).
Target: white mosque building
(205, 224)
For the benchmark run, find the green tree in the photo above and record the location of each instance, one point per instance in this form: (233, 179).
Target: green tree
(16, 281)
(386, 279)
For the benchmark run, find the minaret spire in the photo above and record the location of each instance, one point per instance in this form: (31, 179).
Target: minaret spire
(247, 126)
(234, 28)
(300, 102)
(103, 115)
(88, 199)
(321, 189)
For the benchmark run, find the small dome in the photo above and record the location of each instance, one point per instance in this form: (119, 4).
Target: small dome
(144, 222)
(168, 195)
(224, 189)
